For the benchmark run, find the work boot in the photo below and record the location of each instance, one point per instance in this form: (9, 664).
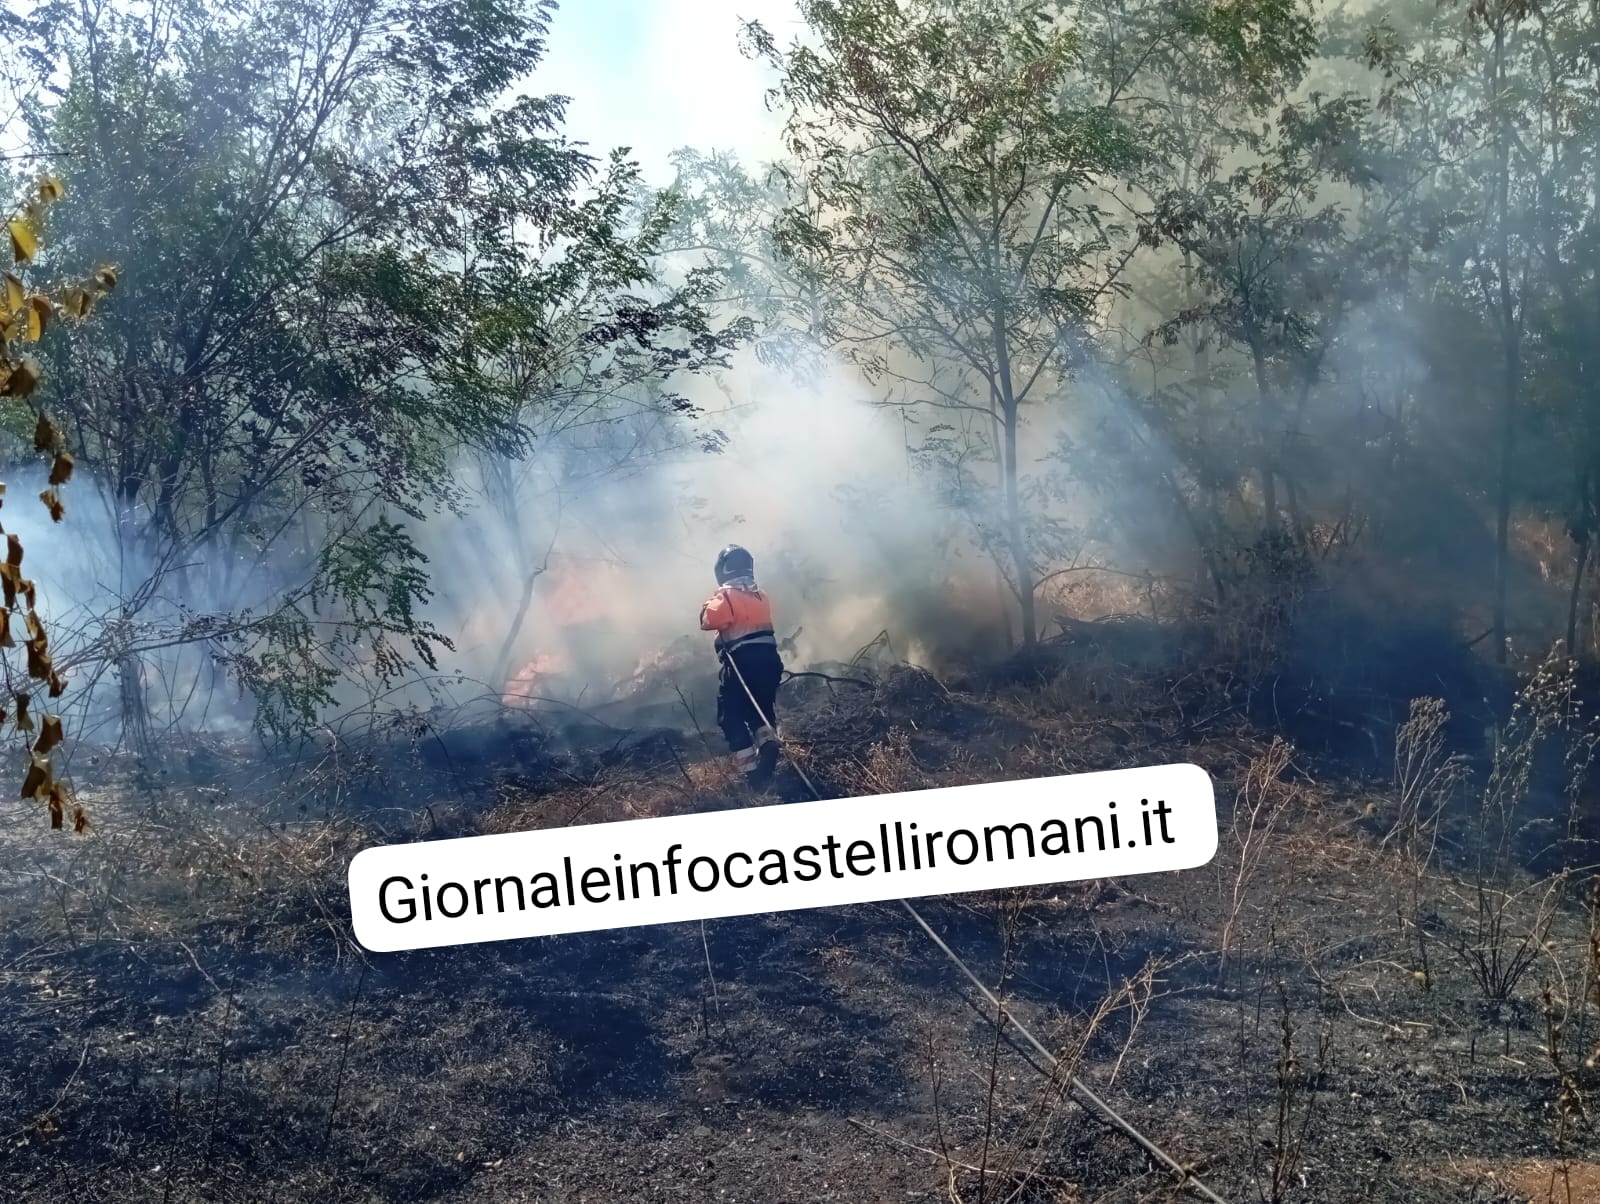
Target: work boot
(766, 757)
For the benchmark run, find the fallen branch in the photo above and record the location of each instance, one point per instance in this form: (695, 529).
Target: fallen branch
(879, 640)
(790, 675)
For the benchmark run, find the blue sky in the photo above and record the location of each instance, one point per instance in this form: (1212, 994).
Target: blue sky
(660, 74)
(652, 74)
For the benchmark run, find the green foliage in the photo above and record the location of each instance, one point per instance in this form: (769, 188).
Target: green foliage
(348, 268)
(1264, 45)
(359, 618)
(1245, 256)
(964, 204)
(959, 191)
(377, 575)
(285, 671)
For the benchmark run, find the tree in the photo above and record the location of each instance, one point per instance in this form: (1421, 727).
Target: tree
(734, 220)
(1502, 96)
(1499, 265)
(590, 347)
(958, 159)
(1556, 135)
(1274, 267)
(348, 268)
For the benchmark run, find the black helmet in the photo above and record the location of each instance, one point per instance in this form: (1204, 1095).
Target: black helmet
(733, 561)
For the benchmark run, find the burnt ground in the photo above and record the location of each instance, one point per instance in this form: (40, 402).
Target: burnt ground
(1308, 1018)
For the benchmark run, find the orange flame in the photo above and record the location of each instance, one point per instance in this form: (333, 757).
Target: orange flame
(523, 687)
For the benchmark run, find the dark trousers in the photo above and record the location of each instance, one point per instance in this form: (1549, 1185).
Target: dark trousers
(737, 716)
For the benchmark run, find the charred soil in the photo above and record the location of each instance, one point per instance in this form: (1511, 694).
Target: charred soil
(1343, 1006)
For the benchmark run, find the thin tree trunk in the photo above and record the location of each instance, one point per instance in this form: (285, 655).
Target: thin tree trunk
(1202, 542)
(997, 441)
(1009, 413)
(1269, 482)
(1512, 361)
(1019, 547)
(1502, 523)
(502, 662)
(1572, 598)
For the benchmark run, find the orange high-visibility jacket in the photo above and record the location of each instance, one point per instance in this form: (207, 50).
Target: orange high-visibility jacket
(739, 617)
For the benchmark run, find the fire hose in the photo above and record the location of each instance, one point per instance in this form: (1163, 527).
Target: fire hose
(1081, 1093)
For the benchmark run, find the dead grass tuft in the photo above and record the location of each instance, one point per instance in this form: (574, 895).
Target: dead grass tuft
(887, 767)
(1538, 1180)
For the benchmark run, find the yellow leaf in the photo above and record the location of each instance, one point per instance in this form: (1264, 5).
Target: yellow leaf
(58, 686)
(58, 802)
(24, 378)
(24, 242)
(13, 550)
(80, 821)
(24, 720)
(49, 734)
(14, 293)
(38, 780)
(61, 469)
(51, 188)
(39, 666)
(106, 279)
(52, 503)
(40, 311)
(44, 435)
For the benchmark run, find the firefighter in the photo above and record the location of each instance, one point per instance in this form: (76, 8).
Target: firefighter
(741, 615)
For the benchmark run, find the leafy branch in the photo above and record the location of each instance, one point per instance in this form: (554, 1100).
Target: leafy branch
(29, 310)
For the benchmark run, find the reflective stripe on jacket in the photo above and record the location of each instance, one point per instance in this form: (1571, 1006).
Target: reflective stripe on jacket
(739, 617)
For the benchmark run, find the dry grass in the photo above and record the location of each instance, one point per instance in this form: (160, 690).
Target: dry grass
(887, 767)
(1091, 594)
(1544, 543)
(1300, 893)
(1538, 1180)
(159, 871)
(1265, 795)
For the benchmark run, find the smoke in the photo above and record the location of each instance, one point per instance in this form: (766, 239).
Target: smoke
(115, 612)
(848, 537)
(574, 568)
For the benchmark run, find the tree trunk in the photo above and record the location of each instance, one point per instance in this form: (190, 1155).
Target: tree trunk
(1269, 482)
(1202, 541)
(1572, 598)
(502, 663)
(1010, 416)
(1512, 363)
(1502, 523)
(1001, 589)
(1014, 535)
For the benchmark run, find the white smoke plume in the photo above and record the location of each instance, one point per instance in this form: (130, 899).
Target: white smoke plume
(814, 479)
